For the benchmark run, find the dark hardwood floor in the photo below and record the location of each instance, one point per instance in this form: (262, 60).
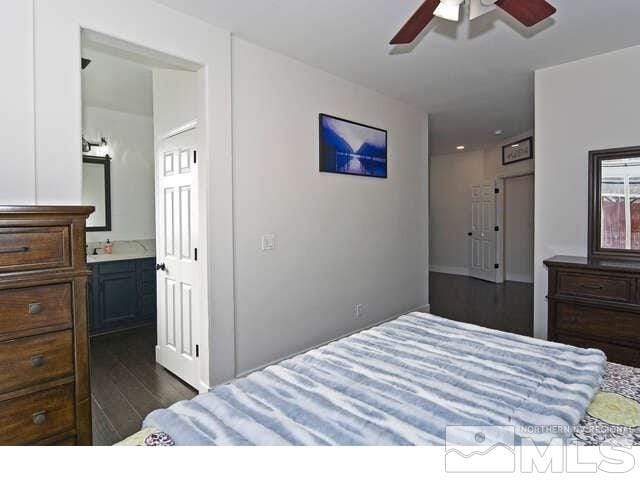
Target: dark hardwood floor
(127, 384)
(507, 307)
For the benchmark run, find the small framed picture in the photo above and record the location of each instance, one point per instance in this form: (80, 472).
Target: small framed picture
(517, 151)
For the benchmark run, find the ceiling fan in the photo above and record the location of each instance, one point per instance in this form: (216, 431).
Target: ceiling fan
(527, 12)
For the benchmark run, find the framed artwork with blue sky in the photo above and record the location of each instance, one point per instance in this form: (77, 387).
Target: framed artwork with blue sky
(352, 148)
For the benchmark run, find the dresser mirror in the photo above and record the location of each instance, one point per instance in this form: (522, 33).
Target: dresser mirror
(614, 204)
(96, 191)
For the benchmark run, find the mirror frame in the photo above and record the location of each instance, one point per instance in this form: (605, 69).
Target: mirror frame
(106, 162)
(596, 157)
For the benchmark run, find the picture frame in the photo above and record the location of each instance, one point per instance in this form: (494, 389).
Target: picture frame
(352, 148)
(518, 151)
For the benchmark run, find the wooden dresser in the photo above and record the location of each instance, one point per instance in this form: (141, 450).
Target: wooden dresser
(596, 303)
(44, 348)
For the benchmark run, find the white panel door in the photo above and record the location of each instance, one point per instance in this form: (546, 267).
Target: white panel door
(177, 241)
(483, 235)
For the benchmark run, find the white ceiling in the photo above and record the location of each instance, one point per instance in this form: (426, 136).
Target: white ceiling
(471, 79)
(116, 84)
(119, 76)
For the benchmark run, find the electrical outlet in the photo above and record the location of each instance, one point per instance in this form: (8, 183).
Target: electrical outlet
(359, 311)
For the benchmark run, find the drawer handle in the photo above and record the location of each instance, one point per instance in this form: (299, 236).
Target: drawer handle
(14, 250)
(37, 360)
(591, 287)
(39, 417)
(35, 308)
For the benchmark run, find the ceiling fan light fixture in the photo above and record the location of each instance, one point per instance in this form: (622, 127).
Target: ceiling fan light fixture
(478, 8)
(449, 10)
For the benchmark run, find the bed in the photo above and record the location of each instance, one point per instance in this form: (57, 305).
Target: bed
(403, 383)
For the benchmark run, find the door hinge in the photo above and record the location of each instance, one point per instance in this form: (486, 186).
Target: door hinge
(496, 266)
(496, 191)
(197, 351)
(496, 228)
(195, 254)
(195, 156)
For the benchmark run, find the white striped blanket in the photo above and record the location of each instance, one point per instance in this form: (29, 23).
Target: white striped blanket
(401, 383)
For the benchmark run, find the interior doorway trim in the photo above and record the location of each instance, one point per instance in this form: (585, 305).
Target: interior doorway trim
(58, 118)
(503, 220)
(184, 128)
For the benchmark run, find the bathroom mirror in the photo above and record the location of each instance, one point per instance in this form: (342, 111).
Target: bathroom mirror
(614, 203)
(96, 191)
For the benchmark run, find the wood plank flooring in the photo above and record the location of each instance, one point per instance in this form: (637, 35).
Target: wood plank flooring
(507, 307)
(127, 384)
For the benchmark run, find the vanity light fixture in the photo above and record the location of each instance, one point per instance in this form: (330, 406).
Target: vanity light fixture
(87, 146)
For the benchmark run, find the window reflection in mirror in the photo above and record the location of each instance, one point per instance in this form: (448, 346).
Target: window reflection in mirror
(620, 204)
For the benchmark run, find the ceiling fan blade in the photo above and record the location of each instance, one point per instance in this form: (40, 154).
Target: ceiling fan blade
(416, 23)
(527, 12)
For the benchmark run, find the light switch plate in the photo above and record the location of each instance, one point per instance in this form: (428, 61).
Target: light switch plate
(268, 242)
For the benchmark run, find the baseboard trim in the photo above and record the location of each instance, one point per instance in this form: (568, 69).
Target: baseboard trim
(464, 271)
(517, 277)
(423, 308)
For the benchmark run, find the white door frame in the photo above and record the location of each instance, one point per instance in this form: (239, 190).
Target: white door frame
(501, 199)
(500, 273)
(58, 118)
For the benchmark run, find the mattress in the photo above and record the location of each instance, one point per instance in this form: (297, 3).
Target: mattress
(401, 383)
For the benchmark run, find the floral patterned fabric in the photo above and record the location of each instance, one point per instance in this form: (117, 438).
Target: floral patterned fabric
(149, 437)
(613, 418)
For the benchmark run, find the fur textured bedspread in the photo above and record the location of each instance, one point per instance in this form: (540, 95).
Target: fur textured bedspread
(401, 383)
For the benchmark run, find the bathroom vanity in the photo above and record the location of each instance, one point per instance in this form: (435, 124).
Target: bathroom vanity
(122, 292)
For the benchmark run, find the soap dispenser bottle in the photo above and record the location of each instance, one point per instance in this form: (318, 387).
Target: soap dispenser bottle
(108, 247)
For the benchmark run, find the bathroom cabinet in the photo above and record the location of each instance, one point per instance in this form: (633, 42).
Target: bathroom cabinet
(122, 294)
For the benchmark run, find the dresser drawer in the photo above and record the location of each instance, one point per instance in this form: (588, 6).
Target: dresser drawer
(609, 325)
(34, 248)
(620, 289)
(34, 360)
(30, 308)
(31, 418)
(615, 353)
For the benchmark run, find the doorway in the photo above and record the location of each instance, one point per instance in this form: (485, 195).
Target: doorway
(519, 228)
(148, 296)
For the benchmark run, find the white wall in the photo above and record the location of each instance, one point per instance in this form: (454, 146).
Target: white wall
(341, 240)
(17, 180)
(451, 178)
(130, 145)
(518, 228)
(175, 97)
(586, 105)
